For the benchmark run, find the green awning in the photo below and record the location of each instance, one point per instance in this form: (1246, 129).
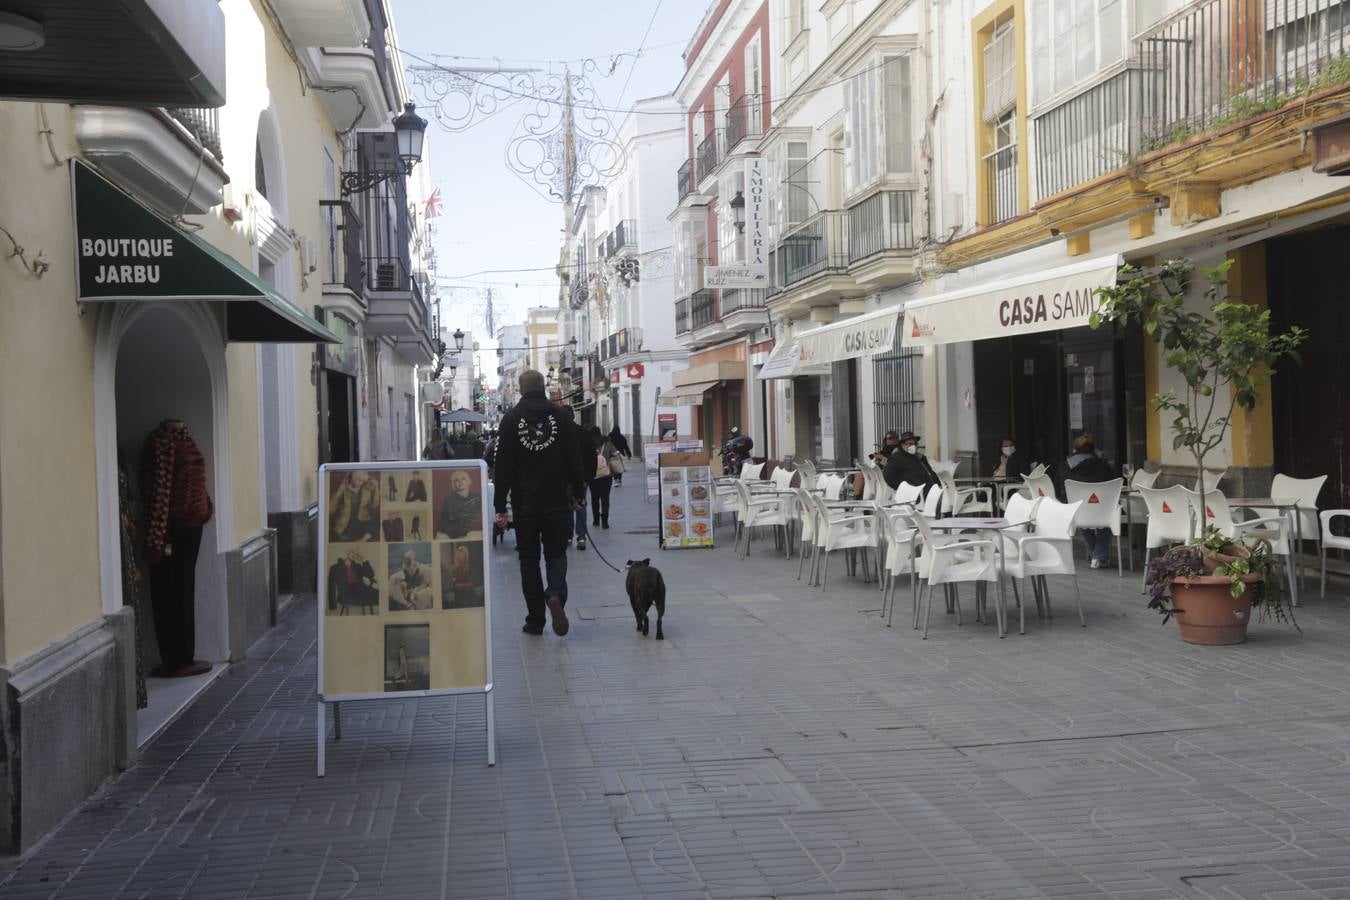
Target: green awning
(125, 252)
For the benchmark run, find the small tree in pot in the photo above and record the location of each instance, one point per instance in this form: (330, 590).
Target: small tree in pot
(1225, 358)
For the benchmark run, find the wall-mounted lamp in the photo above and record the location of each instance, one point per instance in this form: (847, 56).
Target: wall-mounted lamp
(409, 131)
(737, 205)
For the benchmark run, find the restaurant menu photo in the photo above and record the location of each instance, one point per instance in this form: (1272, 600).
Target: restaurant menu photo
(685, 505)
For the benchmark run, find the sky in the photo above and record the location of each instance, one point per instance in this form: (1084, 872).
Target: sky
(491, 218)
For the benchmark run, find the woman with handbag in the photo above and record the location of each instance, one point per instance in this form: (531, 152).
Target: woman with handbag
(603, 479)
(620, 454)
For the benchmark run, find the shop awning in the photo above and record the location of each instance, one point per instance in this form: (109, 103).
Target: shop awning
(786, 362)
(685, 394)
(863, 335)
(1041, 301)
(124, 252)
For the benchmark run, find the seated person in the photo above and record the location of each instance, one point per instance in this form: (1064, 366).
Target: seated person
(909, 466)
(1085, 465)
(1011, 464)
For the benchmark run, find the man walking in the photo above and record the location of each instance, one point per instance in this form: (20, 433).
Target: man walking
(586, 452)
(538, 468)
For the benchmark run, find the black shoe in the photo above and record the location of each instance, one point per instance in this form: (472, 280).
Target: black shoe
(595, 524)
(605, 524)
(532, 629)
(556, 613)
(581, 543)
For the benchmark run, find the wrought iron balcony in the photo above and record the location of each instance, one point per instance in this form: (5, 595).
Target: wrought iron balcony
(625, 340)
(880, 223)
(625, 236)
(702, 308)
(203, 124)
(738, 299)
(744, 119)
(707, 156)
(820, 244)
(345, 265)
(684, 179)
(1090, 134)
(1000, 172)
(1222, 61)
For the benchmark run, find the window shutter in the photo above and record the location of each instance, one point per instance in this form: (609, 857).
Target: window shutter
(897, 121)
(1000, 74)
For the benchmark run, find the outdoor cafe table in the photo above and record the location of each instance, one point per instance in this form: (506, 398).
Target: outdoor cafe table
(1288, 507)
(983, 524)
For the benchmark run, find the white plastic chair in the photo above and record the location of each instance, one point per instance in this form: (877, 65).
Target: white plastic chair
(804, 512)
(781, 479)
(1040, 486)
(944, 465)
(1305, 491)
(908, 493)
(1100, 509)
(830, 485)
(874, 486)
(965, 501)
(1275, 529)
(808, 471)
(1133, 505)
(1047, 551)
(899, 541)
(954, 562)
(755, 511)
(1037, 470)
(750, 471)
(838, 529)
(1169, 518)
(1212, 477)
(932, 503)
(1331, 541)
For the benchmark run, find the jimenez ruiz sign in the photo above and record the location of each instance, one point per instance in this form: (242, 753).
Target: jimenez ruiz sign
(754, 271)
(1047, 301)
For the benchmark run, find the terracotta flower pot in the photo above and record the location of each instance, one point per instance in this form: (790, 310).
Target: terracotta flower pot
(1207, 612)
(1231, 554)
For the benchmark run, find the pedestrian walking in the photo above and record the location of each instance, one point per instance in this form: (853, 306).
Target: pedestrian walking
(438, 447)
(603, 480)
(577, 526)
(619, 458)
(539, 472)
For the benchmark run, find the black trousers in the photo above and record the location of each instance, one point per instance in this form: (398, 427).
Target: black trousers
(600, 499)
(173, 597)
(548, 530)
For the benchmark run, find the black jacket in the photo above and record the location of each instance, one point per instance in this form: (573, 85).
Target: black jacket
(1018, 464)
(538, 466)
(1092, 470)
(620, 442)
(910, 468)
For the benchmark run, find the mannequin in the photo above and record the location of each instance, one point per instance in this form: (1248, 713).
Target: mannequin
(173, 483)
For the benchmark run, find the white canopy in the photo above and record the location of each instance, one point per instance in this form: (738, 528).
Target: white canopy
(863, 335)
(685, 394)
(1040, 301)
(786, 362)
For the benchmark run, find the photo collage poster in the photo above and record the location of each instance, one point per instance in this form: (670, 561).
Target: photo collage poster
(403, 587)
(686, 503)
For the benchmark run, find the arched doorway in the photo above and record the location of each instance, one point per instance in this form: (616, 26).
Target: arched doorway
(159, 361)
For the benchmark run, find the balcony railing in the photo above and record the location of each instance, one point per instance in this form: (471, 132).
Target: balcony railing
(684, 179)
(625, 236)
(345, 264)
(702, 308)
(820, 244)
(1001, 176)
(625, 340)
(1226, 60)
(737, 299)
(707, 156)
(1091, 134)
(682, 316)
(744, 119)
(202, 124)
(882, 222)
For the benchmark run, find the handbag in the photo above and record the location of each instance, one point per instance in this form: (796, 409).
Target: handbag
(616, 464)
(601, 466)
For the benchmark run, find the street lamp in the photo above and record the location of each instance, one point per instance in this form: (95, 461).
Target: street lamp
(409, 133)
(737, 205)
(459, 340)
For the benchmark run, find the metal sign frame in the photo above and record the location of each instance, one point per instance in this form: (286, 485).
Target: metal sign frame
(429, 466)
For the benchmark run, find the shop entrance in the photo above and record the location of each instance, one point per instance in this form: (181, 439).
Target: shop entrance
(162, 373)
(339, 431)
(1310, 403)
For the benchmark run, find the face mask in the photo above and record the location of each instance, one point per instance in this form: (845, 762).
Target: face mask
(1008, 451)
(912, 448)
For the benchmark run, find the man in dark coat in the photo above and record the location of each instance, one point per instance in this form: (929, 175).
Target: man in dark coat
(539, 472)
(908, 465)
(588, 467)
(1086, 466)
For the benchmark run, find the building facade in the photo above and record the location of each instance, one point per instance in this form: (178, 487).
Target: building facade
(178, 253)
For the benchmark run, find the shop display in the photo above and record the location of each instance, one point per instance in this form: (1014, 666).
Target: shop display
(684, 487)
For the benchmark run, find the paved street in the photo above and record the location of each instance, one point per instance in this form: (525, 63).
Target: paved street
(780, 742)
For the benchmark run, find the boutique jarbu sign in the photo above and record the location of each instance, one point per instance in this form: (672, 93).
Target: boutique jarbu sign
(125, 260)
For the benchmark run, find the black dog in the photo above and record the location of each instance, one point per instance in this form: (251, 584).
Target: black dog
(646, 588)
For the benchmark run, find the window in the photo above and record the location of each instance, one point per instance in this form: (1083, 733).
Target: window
(691, 245)
(753, 86)
(1072, 40)
(730, 241)
(790, 169)
(878, 131)
(798, 17)
(1000, 73)
(898, 400)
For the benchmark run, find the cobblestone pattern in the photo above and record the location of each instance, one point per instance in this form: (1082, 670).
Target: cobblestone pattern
(779, 743)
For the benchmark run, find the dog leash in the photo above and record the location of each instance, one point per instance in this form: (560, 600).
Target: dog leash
(590, 539)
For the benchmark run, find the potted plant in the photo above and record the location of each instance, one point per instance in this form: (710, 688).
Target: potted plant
(1225, 357)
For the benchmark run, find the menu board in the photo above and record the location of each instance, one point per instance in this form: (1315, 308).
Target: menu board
(686, 504)
(651, 454)
(403, 593)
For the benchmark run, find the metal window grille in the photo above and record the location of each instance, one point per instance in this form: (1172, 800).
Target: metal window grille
(897, 402)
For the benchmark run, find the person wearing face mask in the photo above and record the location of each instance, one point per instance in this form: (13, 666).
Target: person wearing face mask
(908, 465)
(1011, 464)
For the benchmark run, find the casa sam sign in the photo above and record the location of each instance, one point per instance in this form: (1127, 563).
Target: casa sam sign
(123, 251)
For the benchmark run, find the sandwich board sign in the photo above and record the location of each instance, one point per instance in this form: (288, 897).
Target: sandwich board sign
(404, 585)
